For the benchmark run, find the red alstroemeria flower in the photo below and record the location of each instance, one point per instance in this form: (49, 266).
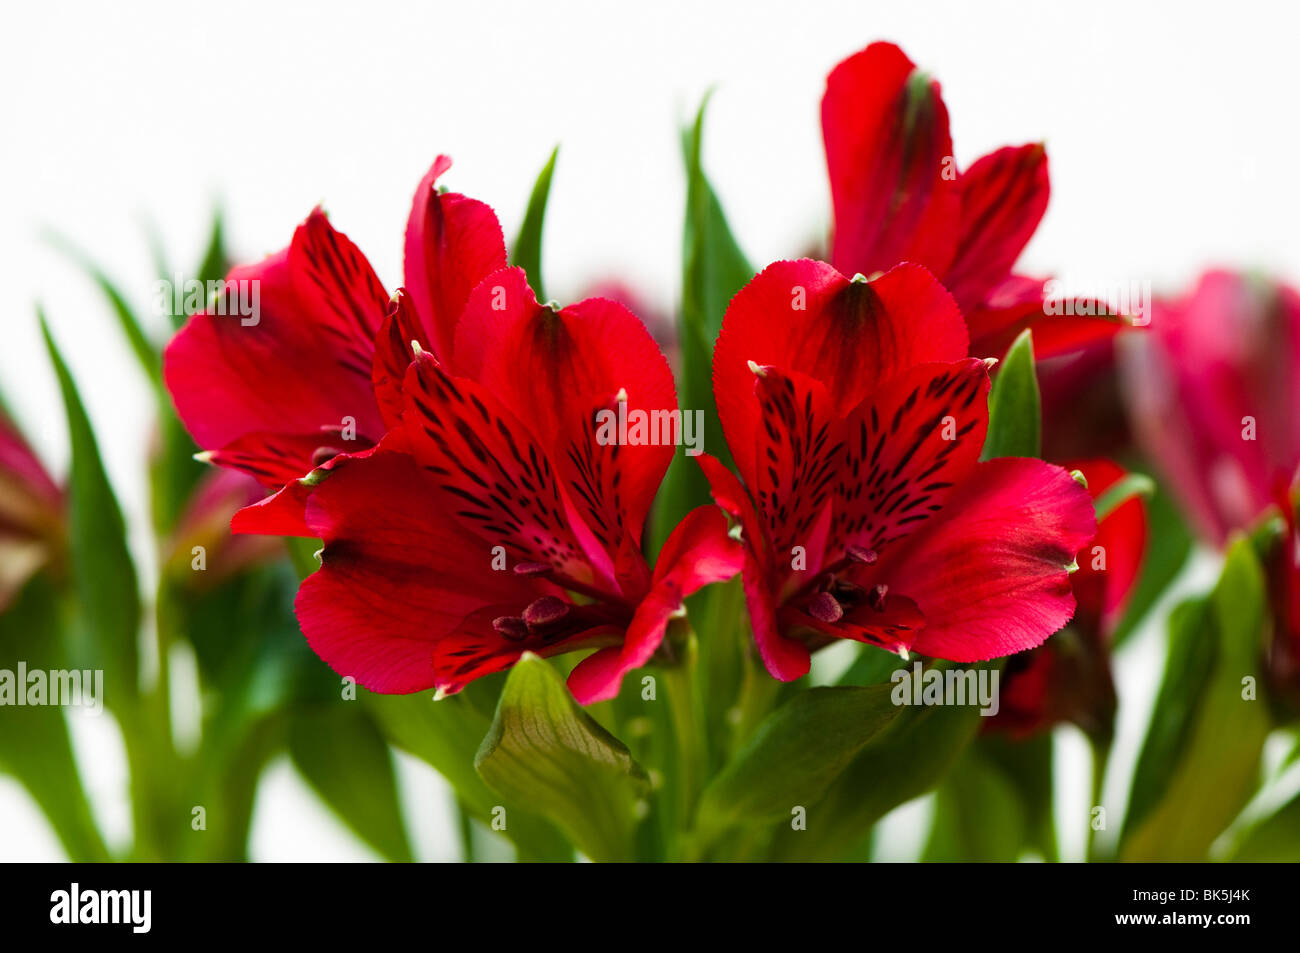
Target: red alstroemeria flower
(1212, 387)
(1068, 678)
(856, 422)
(1283, 568)
(205, 522)
(898, 196)
(313, 376)
(494, 520)
(32, 513)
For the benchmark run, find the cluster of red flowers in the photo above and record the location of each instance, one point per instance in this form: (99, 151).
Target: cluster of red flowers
(442, 441)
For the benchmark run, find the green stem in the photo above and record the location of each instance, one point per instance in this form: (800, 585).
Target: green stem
(679, 686)
(1100, 758)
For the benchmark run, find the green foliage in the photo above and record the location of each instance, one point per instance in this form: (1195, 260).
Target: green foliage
(527, 251)
(544, 750)
(1015, 410)
(1200, 764)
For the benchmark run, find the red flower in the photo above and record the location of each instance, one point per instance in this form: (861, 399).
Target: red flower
(898, 196)
(310, 374)
(1068, 678)
(32, 516)
(856, 422)
(1282, 564)
(456, 544)
(1213, 386)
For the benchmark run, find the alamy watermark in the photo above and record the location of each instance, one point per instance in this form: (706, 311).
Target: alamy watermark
(241, 297)
(655, 428)
(1129, 298)
(967, 686)
(65, 688)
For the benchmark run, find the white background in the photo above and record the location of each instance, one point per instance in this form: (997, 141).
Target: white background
(1171, 131)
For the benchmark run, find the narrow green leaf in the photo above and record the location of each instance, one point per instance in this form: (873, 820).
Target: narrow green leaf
(1168, 546)
(34, 743)
(1123, 490)
(545, 751)
(446, 734)
(102, 569)
(341, 753)
(1272, 840)
(796, 753)
(1215, 771)
(527, 252)
(1014, 407)
(713, 270)
(907, 759)
(978, 816)
(146, 352)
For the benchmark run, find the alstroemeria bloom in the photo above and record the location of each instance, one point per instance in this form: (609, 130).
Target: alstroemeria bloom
(898, 196)
(856, 421)
(32, 514)
(310, 375)
(1213, 387)
(1068, 678)
(1282, 564)
(495, 518)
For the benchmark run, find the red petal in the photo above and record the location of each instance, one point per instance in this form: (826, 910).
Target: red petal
(805, 317)
(698, 552)
(1060, 327)
(908, 447)
(476, 648)
(989, 572)
(1212, 364)
(889, 155)
(1003, 198)
(397, 575)
(785, 658)
(555, 370)
(452, 243)
(799, 455)
(494, 476)
(305, 364)
(1115, 552)
(393, 354)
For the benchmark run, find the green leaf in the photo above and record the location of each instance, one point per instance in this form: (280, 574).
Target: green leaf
(527, 252)
(978, 816)
(34, 743)
(146, 353)
(713, 270)
(1272, 840)
(341, 753)
(102, 570)
(904, 761)
(1168, 545)
(796, 753)
(996, 803)
(1121, 491)
(1211, 775)
(1190, 658)
(545, 751)
(1014, 407)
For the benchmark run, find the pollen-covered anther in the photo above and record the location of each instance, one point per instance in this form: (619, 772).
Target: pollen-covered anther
(860, 554)
(825, 608)
(510, 627)
(532, 569)
(545, 610)
(877, 597)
